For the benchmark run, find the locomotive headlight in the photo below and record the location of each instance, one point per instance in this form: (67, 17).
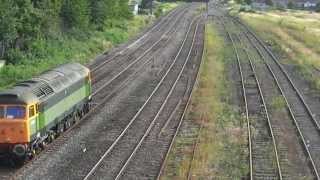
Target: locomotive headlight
(20, 150)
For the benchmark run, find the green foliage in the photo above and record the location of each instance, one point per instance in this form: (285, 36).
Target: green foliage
(239, 1)
(269, 2)
(158, 12)
(248, 2)
(8, 28)
(145, 4)
(290, 5)
(75, 14)
(124, 10)
(278, 103)
(44, 54)
(27, 25)
(318, 7)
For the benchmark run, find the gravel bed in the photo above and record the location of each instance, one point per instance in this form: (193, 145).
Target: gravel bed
(148, 160)
(71, 155)
(114, 161)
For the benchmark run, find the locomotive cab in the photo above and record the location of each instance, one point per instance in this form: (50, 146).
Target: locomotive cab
(15, 115)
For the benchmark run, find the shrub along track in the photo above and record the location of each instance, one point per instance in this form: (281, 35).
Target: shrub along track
(71, 155)
(295, 130)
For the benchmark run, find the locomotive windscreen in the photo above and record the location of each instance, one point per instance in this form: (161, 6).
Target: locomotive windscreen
(12, 112)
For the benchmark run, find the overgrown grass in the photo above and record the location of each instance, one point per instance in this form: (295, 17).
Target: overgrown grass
(220, 153)
(163, 8)
(295, 35)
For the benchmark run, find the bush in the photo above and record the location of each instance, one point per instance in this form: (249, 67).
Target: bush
(318, 7)
(14, 56)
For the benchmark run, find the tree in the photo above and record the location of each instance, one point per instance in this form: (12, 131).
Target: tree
(124, 10)
(98, 14)
(269, 2)
(102, 11)
(145, 4)
(75, 14)
(8, 28)
(248, 2)
(318, 7)
(50, 12)
(290, 5)
(239, 1)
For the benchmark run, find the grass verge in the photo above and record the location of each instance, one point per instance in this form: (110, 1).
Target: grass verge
(295, 35)
(221, 152)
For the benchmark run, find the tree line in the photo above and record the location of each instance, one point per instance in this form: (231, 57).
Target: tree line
(23, 21)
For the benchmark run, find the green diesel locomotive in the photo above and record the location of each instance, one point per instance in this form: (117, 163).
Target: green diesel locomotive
(33, 112)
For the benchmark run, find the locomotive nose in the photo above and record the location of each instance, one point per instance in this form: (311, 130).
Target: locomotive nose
(12, 132)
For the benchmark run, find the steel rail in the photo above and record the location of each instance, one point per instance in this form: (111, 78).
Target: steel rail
(170, 15)
(244, 99)
(136, 60)
(285, 73)
(291, 112)
(195, 146)
(163, 36)
(266, 110)
(182, 117)
(123, 83)
(141, 108)
(161, 108)
(98, 105)
(275, 149)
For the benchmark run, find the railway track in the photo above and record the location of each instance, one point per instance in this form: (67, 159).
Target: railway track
(117, 52)
(165, 38)
(150, 42)
(157, 143)
(303, 120)
(119, 149)
(99, 132)
(138, 63)
(263, 150)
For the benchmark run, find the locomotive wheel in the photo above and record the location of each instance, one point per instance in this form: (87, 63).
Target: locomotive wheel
(67, 124)
(60, 128)
(76, 117)
(86, 108)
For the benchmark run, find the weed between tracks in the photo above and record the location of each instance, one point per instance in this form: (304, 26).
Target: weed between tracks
(221, 151)
(295, 35)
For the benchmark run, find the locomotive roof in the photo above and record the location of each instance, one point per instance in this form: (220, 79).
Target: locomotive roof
(44, 85)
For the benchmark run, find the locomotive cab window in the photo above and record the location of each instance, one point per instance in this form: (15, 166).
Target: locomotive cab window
(32, 111)
(15, 112)
(1, 112)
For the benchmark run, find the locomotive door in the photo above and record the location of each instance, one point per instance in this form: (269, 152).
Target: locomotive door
(33, 114)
